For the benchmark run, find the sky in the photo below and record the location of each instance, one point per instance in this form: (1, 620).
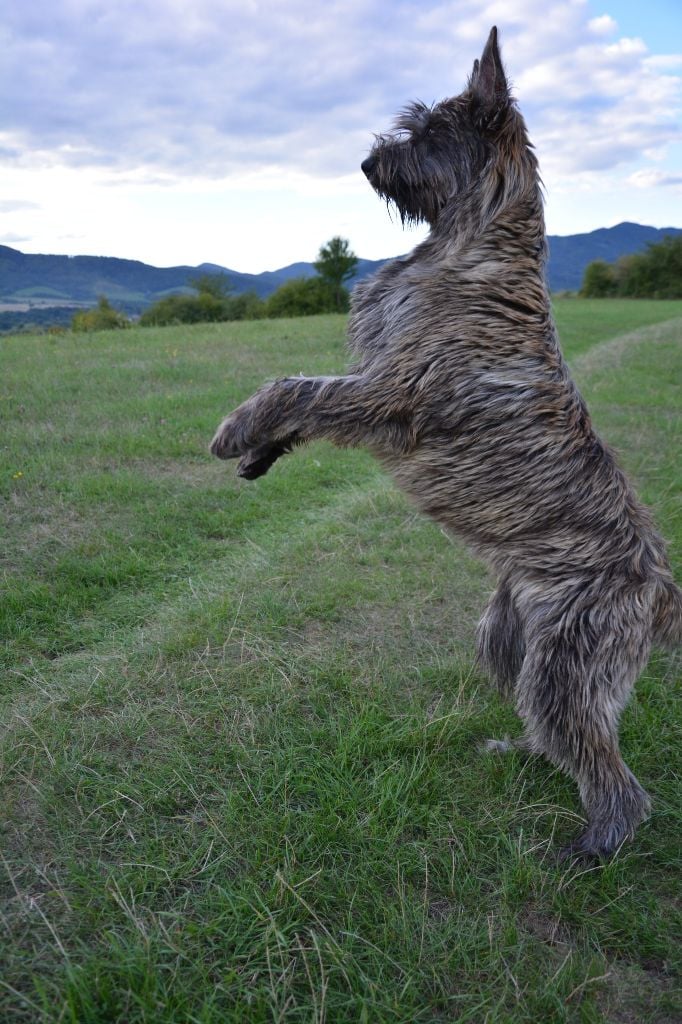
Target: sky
(190, 131)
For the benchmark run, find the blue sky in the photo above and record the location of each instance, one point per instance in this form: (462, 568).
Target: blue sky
(183, 131)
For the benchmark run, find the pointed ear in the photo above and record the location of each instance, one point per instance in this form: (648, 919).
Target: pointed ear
(488, 82)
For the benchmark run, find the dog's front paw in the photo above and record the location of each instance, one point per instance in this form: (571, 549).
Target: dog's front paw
(258, 461)
(226, 440)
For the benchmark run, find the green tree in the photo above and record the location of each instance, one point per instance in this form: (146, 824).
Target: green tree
(214, 303)
(302, 296)
(245, 306)
(102, 318)
(217, 285)
(184, 309)
(598, 280)
(655, 273)
(336, 264)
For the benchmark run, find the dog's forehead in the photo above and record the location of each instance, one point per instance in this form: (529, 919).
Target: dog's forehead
(451, 106)
(417, 116)
(413, 117)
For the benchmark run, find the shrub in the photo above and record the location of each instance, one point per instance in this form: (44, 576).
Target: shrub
(245, 306)
(302, 296)
(599, 280)
(102, 318)
(213, 304)
(184, 309)
(653, 274)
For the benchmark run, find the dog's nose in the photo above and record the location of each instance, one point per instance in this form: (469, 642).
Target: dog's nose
(368, 165)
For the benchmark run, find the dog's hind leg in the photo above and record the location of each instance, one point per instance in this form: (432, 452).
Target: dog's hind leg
(570, 694)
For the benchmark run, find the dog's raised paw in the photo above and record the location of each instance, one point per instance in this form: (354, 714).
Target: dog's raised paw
(224, 444)
(256, 463)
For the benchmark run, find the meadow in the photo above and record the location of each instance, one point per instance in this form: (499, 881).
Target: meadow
(240, 769)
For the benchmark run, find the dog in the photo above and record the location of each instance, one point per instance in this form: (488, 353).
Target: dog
(460, 388)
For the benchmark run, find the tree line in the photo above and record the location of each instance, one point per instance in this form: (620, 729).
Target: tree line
(655, 273)
(215, 301)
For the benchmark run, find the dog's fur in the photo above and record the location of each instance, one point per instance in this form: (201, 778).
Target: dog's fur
(460, 388)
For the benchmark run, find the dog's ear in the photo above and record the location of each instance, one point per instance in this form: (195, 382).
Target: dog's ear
(488, 80)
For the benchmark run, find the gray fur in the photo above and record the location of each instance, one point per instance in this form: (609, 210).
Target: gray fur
(459, 387)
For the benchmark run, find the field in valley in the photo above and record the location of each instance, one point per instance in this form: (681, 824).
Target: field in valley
(240, 770)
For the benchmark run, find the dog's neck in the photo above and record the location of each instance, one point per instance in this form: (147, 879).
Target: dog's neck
(504, 203)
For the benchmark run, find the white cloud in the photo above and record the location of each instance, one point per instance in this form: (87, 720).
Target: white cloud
(125, 117)
(14, 205)
(655, 179)
(211, 88)
(602, 26)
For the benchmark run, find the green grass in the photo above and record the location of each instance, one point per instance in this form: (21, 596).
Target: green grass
(240, 777)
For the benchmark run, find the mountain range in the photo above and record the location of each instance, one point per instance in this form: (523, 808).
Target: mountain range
(29, 281)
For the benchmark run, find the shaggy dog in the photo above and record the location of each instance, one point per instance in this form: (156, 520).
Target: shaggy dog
(459, 387)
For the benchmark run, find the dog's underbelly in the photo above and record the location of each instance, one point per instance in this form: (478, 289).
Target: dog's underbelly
(517, 516)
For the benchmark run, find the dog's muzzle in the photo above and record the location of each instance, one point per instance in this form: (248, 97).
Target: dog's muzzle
(368, 165)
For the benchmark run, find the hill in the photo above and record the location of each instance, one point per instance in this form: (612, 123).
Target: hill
(570, 254)
(47, 287)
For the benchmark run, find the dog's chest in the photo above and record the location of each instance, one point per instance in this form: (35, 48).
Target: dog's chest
(382, 308)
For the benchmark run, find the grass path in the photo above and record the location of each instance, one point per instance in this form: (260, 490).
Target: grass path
(239, 771)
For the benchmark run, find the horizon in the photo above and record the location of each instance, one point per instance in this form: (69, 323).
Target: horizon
(270, 270)
(234, 136)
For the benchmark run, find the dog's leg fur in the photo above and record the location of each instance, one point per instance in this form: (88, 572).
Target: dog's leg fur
(500, 639)
(348, 410)
(570, 693)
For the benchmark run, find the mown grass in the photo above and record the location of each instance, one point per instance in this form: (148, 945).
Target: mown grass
(240, 777)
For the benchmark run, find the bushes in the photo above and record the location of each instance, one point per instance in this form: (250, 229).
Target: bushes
(599, 280)
(325, 293)
(302, 296)
(183, 309)
(102, 318)
(653, 274)
(206, 307)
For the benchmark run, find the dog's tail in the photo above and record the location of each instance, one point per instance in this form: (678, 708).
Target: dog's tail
(667, 625)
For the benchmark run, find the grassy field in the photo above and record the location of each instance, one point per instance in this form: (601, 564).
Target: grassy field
(240, 769)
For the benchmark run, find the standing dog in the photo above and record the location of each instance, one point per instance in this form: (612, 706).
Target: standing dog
(459, 387)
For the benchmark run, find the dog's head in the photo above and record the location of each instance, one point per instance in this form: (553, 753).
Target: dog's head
(434, 153)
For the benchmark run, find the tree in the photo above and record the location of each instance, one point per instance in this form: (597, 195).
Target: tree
(336, 264)
(184, 309)
(599, 280)
(302, 296)
(655, 273)
(217, 285)
(102, 318)
(245, 306)
(206, 307)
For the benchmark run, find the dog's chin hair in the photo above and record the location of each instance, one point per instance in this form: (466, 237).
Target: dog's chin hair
(409, 214)
(408, 219)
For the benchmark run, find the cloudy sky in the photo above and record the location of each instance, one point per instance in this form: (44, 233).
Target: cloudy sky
(184, 131)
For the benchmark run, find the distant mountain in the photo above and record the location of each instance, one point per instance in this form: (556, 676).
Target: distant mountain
(84, 278)
(53, 281)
